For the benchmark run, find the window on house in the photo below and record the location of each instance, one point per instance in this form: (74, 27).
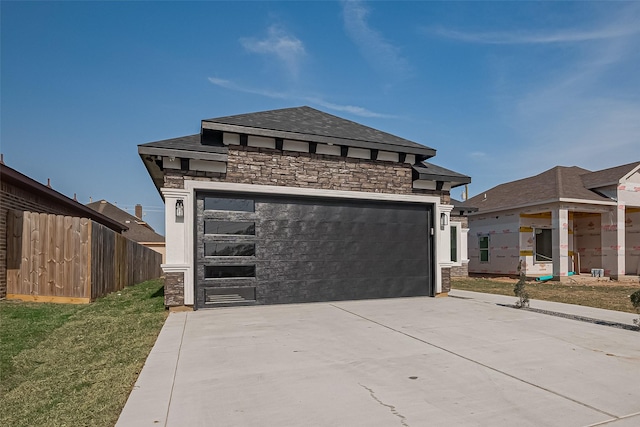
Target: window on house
(544, 247)
(454, 243)
(483, 245)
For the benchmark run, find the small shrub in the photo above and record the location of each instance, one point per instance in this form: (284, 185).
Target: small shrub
(521, 292)
(635, 300)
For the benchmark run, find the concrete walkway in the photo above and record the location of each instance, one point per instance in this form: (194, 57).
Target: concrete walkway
(462, 360)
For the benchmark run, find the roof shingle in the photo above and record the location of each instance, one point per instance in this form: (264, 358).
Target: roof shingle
(138, 230)
(557, 183)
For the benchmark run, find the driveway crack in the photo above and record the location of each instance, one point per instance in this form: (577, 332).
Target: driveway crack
(548, 390)
(394, 411)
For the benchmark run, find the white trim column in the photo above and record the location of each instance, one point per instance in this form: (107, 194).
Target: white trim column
(179, 238)
(464, 245)
(613, 242)
(443, 243)
(560, 242)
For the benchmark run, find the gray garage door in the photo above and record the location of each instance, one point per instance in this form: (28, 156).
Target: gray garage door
(269, 250)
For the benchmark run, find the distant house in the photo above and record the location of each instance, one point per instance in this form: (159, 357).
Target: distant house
(459, 228)
(565, 220)
(21, 193)
(297, 205)
(137, 229)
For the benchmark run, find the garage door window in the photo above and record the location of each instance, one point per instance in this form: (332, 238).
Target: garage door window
(241, 228)
(229, 271)
(223, 204)
(229, 249)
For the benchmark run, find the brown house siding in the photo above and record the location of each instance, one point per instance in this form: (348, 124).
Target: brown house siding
(264, 166)
(13, 197)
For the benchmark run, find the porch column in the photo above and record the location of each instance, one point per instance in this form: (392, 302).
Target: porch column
(560, 242)
(613, 242)
(443, 251)
(179, 246)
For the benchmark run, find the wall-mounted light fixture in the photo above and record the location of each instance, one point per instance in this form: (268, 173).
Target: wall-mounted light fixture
(444, 220)
(179, 209)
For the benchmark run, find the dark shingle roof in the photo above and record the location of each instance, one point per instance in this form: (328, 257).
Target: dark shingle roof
(557, 183)
(138, 230)
(606, 177)
(431, 172)
(459, 208)
(189, 142)
(309, 124)
(182, 147)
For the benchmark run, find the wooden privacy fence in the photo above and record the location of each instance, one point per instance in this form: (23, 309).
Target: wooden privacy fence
(57, 258)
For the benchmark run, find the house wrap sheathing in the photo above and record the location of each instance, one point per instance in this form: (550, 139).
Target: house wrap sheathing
(565, 220)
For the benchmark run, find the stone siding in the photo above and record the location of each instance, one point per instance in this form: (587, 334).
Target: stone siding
(446, 280)
(173, 289)
(263, 166)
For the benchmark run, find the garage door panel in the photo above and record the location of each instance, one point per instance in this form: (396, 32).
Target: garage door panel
(316, 250)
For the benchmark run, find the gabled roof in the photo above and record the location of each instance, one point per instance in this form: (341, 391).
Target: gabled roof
(552, 185)
(138, 230)
(309, 124)
(608, 177)
(73, 207)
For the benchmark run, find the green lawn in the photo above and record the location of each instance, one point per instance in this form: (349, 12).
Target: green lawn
(607, 295)
(75, 365)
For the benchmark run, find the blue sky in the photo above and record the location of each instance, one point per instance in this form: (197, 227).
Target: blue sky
(502, 90)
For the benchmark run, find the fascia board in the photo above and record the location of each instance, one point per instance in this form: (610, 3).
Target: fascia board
(589, 202)
(220, 156)
(627, 176)
(426, 151)
(544, 202)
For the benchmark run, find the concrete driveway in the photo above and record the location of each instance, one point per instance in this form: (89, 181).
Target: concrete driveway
(457, 361)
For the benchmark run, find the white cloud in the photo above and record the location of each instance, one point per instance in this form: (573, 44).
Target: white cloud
(381, 54)
(583, 109)
(352, 109)
(278, 43)
(537, 37)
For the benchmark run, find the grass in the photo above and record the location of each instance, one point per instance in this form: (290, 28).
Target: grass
(607, 295)
(75, 365)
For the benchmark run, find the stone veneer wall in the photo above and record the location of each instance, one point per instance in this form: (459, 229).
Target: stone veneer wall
(446, 280)
(173, 289)
(265, 166)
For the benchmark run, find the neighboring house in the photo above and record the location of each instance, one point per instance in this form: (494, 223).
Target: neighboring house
(459, 227)
(296, 205)
(565, 220)
(21, 193)
(137, 229)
